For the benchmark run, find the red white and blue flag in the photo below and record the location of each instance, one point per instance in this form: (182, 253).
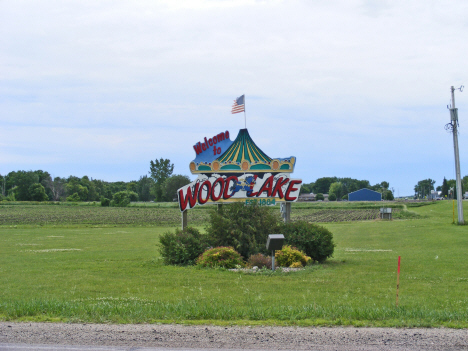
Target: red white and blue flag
(239, 105)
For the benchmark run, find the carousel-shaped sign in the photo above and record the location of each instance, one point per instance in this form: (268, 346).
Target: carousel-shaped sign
(233, 171)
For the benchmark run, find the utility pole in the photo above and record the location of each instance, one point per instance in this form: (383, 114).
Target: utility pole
(454, 121)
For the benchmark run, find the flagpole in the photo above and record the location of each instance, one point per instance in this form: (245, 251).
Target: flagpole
(245, 118)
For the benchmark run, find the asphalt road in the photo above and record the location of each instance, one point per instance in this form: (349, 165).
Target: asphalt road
(145, 337)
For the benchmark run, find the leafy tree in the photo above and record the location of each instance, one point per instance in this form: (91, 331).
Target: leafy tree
(160, 170)
(172, 184)
(132, 186)
(388, 195)
(37, 192)
(323, 184)
(144, 186)
(74, 187)
(307, 188)
(331, 197)
(21, 181)
(424, 187)
(335, 189)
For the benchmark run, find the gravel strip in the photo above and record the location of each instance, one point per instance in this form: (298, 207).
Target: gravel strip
(240, 338)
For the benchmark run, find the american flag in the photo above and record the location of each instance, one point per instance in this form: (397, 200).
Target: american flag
(239, 105)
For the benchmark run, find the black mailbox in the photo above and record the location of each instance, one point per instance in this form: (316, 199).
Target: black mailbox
(275, 242)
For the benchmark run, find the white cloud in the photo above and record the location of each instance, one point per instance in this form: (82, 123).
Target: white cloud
(340, 78)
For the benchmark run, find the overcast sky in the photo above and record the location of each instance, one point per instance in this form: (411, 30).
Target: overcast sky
(351, 88)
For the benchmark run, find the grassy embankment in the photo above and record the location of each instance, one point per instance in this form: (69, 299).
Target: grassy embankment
(108, 270)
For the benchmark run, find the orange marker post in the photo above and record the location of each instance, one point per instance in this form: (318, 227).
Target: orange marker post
(398, 281)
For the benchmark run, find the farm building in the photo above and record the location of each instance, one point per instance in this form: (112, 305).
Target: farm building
(365, 195)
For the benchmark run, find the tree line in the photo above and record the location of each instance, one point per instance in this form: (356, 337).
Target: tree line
(448, 188)
(339, 188)
(159, 185)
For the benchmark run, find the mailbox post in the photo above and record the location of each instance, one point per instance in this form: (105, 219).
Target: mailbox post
(274, 242)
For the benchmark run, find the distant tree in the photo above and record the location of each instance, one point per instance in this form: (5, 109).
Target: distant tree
(160, 170)
(55, 188)
(37, 192)
(144, 186)
(74, 187)
(88, 184)
(445, 188)
(172, 184)
(132, 186)
(3, 185)
(331, 197)
(424, 187)
(319, 196)
(336, 189)
(21, 181)
(323, 184)
(307, 188)
(388, 195)
(385, 185)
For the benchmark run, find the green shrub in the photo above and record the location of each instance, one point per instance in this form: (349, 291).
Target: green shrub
(37, 192)
(290, 256)
(245, 228)
(105, 202)
(225, 257)
(332, 197)
(344, 197)
(182, 247)
(316, 241)
(74, 198)
(120, 199)
(319, 196)
(259, 260)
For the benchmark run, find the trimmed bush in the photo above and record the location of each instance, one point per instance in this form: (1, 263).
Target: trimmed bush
(316, 241)
(291, 257)
(182, 247)
(332, 197)
(319, 196)
(245, 228)
(225, 257)
(259, 260)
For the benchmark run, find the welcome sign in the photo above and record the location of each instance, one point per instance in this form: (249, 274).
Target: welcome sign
(233, 171)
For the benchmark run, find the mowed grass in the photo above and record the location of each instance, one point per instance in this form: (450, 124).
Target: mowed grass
(113, 273)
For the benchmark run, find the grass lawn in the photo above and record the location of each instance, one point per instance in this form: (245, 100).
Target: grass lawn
(98, 272)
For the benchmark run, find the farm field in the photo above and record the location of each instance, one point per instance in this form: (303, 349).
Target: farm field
(167, 214)
(105, 271)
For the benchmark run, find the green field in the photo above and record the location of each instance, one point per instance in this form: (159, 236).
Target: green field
(93, 264)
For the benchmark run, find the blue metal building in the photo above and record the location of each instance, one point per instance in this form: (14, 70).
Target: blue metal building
(365, 195)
